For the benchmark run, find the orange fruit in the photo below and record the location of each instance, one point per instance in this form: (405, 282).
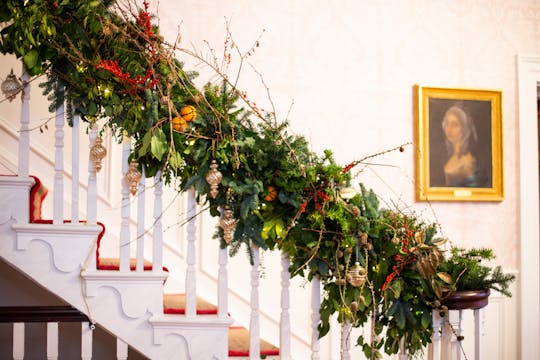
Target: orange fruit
(179, 124)
(271, 193)
(188, 113)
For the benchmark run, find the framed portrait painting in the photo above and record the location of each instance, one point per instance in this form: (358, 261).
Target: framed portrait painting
(459, 144)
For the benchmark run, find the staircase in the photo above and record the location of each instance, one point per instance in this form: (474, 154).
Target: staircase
(123, 293)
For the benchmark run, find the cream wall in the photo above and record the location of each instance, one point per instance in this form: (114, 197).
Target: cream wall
(350, 67)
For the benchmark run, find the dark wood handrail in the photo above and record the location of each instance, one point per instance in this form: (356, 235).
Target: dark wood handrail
(27, 314)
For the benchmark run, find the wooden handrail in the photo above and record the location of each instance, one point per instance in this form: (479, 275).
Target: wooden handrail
(28, 314)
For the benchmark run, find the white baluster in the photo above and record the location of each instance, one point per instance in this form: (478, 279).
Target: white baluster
(403, 354)
(285, 322)
(91, 198)
(86, 341)
(18, 341)
(446, 338)
(24, 136)
(456, 346)
(121, 350)
(157, 250)
(75, 170)
(315, 317)
(191, 281)
(141, 199)
(58, 205)
(478, 333)
(345, 341)
(223, 284)
(254, 326)
(125, 233)
(52, 341)
(434, 349)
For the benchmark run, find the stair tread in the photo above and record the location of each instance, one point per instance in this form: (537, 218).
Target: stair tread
(176, 304)
(239, 343)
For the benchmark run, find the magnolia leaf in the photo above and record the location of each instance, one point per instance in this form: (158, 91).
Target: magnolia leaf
(158, 144)
(445, 277)
(176, 160)
(30, 58)
(439, 242)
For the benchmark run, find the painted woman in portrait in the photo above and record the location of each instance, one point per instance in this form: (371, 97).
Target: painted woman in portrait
(463, 168)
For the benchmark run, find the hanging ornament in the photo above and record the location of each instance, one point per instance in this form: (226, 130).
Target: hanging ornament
(347, 193)
(228, 224)
(11, 86)
(188, 113)
(133, 176)
(213, 177)
(356, 275)
(97, 153)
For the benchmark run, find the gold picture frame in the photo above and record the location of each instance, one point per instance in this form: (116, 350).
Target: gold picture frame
(459, 144)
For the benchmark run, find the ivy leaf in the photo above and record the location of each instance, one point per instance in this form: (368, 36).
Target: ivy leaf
(158, 144)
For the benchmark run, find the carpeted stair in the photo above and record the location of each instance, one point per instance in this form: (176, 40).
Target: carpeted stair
(172, 303)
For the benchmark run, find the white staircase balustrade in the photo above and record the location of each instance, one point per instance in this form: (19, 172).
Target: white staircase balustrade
(125, 233)
(191, 279)
(434, 349)
(75, 170)
(91, 198)
(345, 349)
(315, 317)
(52, 341)
(157, 249)
(254, 323)
(403, 354)
(285, 321)
(24, 134)
(18, 341)
(58, 208)
(121, 350)
(223, 284)
(478, 333)
(141, 202)
(86, 341)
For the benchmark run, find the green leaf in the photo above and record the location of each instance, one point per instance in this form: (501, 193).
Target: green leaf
(176, 160)
(31, 58)
(158, 144)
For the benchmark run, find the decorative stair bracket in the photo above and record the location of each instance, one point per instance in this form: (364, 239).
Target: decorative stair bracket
(198, 333)
(70, 243)
(139, 292)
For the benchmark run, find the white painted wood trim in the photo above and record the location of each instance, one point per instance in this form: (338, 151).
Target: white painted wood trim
(434, 349)
(223, 284)
(191, 271)
(345, 348)
(86, 341)
(478, 333)
(121, 349)
(141, 202)
(52, 341)
(315, 317)
(125, 234)
(254, 323)
(157, 250)
(24, 135)
(403, 355)
(18, 341)
(446, 338)
(285, 321)
(58, 192)
(528, 69)
(75, 170)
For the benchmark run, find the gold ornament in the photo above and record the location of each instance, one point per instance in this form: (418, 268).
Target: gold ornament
(347, 193)
(11, 86)
(228, 224)
(133, 176)
(97, 153)
(340, 282)
(188, 113)
(213, 177)
(356, 276)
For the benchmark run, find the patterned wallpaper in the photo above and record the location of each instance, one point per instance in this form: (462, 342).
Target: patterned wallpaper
(349, 67)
